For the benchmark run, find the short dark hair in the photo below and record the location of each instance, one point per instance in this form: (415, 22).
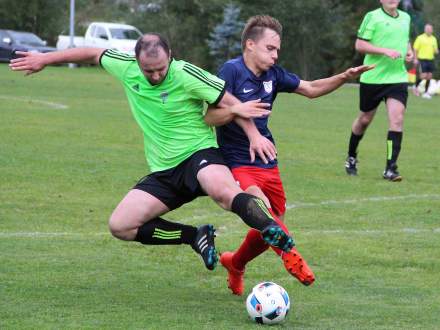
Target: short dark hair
(150, 44)
(256, 25)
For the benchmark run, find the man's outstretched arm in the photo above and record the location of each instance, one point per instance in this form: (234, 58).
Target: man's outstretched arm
(320, 87)
(35, 62)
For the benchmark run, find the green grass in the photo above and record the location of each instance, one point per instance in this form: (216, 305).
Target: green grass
(374, 245)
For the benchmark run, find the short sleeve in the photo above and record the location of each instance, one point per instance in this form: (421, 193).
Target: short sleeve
(417, 43)
(228, 73)
(203, 85)
(116, 63)
(366, 30)
(286, 81)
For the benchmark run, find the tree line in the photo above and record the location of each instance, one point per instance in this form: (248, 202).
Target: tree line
(318, 35)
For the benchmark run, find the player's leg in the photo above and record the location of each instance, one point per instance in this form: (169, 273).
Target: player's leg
(218, 182)
(137, 217)
(369, 100)
(395, 104)
(427, 76)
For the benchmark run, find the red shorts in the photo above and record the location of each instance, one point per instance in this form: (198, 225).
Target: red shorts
(268, 180)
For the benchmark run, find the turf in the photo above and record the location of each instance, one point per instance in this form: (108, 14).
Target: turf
(374, 245)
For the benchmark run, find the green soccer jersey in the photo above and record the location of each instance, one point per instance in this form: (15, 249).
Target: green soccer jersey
(385, 31)
(170, 114)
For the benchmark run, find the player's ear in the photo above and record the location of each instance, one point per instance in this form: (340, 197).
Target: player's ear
(250, 44)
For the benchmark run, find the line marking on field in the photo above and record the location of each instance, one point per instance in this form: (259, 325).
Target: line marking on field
(224, 229)
(363, 200)
(46, 103)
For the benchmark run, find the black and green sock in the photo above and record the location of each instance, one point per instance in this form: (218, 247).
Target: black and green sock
(162, 232)
(353, 144)
(252, 211)
(394, 141)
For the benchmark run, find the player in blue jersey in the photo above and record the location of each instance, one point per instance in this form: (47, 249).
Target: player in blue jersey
(255, 76)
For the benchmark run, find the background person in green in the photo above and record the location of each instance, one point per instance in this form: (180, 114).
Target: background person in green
(426, 47)
(384, 37)
(166, 97)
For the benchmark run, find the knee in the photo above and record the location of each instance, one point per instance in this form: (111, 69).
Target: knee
(117, 230)
(256, 191)
(365, 121)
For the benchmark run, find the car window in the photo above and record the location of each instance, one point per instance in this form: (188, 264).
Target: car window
(26, 38)
(124, 34)
(100, 32)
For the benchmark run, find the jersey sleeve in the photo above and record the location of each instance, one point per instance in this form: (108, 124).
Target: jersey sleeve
(286, 81)
(116, 63)
(228, 73)
(366, 30)
(416, 45)
(202, 85)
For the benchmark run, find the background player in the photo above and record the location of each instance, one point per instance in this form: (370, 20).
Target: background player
(426, 47)
(255, 76)
(384, 37)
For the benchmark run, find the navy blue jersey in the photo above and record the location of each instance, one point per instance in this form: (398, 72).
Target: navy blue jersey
(246, 86)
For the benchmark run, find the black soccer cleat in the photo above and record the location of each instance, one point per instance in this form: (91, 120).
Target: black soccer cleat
(391, 173)
(274, 235)
(204, 245)
(350, 166)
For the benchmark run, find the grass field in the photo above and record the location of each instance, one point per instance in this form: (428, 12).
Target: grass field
(374, 245)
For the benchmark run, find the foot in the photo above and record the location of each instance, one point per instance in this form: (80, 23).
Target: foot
(274, 235)
(350, 166)
(426, 96)
(204, 245)
(391, 174)
(298, 267)
(235, 276)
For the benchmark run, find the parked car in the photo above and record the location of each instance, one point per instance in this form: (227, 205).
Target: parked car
(10, 41)
(121, 37)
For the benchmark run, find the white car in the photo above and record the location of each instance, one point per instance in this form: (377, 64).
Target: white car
(121, 37)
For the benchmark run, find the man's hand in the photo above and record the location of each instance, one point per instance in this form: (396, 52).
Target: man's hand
(354, 73)
(262, 146)
(251, 109)
(391, 53)
(29, 62)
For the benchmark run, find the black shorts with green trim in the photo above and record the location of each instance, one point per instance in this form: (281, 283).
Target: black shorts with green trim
(179, 185)
(370, 95)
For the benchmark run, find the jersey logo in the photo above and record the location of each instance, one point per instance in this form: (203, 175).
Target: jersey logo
(268, 86)
(164, 96)
(136, 87)
(247, 90)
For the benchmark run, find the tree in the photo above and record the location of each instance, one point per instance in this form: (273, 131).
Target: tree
(224, 42)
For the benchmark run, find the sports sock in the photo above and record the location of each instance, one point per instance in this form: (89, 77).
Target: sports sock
(162, 232)
(394, 141)
(252, 211)
(353, 144)
(428, 81)
(253, 245)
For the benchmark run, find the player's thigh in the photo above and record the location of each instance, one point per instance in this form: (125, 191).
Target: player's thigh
(135, 209)
(274, 190)
(217, 182)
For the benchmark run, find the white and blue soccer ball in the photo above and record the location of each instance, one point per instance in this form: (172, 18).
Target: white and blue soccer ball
(268, 303)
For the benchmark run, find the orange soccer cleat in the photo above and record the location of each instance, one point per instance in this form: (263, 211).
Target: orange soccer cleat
(297, 267)
(235, 276)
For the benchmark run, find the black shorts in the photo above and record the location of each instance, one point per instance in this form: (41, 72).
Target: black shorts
(370, 95)
(427, 66)
(179, 185)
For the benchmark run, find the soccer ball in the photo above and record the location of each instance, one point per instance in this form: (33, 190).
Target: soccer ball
(268, 303)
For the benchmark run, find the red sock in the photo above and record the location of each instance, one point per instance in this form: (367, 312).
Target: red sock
(253, 245)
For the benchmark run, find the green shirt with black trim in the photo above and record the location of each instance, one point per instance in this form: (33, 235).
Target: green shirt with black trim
(171, 113)
(385, 31)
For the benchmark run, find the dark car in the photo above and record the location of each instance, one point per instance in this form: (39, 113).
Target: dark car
(10, 41)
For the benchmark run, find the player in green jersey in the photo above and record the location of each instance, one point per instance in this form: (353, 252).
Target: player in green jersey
(167, 97)
(384, 37)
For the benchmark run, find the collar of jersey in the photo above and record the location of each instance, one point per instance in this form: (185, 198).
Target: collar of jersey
(253, 76)
(389, 14)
